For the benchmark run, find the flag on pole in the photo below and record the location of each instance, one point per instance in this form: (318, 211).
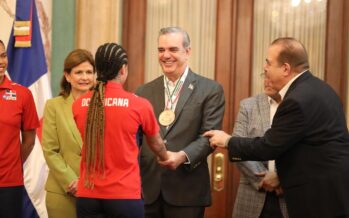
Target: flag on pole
(27, 66)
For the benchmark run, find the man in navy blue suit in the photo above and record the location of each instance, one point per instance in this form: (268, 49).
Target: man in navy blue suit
(308, 138)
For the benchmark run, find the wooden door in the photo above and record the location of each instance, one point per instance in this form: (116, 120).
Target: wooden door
(233, 68)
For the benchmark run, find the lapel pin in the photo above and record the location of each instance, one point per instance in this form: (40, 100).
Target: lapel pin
(191, 86)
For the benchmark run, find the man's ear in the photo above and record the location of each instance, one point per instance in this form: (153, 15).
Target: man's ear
(287, 68)
(188, 51)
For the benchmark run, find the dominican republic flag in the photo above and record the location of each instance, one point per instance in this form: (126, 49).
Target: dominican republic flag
(10, 95)
(27, 66)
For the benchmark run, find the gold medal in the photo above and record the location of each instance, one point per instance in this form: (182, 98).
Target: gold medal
(167, 117)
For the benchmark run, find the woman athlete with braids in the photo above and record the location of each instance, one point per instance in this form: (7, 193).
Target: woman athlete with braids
(109, 119)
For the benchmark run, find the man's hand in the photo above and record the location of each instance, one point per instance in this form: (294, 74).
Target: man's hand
(218, 138)
(174, 160)
(270, 182)
(279, 191)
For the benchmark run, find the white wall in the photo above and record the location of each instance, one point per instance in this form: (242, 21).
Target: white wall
(5, 19)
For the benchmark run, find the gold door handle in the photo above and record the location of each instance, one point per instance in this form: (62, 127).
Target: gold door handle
(218, 172)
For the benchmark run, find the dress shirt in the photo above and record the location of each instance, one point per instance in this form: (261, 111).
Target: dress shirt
(284, 89)
(171, 92)
(273, 107)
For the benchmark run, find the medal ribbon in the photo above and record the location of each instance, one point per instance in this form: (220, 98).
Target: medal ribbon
(176, 92)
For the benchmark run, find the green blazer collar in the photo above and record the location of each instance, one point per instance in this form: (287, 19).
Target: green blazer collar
(68, 102)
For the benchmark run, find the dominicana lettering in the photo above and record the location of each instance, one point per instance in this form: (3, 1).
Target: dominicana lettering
(108, 102)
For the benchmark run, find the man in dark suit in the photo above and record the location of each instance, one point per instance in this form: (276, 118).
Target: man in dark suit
(308, 137)
(187, 105)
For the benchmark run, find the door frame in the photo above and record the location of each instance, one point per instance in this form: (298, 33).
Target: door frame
(233, 68)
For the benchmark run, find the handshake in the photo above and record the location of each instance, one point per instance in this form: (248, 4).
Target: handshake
(173, 160)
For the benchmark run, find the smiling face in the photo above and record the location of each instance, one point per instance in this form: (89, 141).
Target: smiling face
(173, 57)
(3, 61)
(81, 77)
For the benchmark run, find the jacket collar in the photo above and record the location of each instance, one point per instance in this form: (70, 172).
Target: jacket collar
(307, 74)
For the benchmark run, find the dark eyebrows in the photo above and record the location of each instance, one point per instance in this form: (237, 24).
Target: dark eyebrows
(4, 54)
(170, 48)
(174, 49)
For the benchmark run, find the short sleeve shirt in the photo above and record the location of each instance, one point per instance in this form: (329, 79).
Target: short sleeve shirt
(17, 113)
(124, 114)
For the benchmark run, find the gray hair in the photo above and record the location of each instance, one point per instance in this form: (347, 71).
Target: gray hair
(167, 30)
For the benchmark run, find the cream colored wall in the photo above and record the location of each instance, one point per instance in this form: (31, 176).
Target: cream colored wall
(98, 22)
(7, 11)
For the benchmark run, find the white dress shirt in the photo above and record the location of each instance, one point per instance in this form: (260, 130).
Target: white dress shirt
(273, 107)
(170, 90)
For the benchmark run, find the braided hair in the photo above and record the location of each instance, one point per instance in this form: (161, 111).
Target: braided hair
(109, 59)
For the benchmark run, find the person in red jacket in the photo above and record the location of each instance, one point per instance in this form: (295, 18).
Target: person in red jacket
(18, 122)
(109, 119)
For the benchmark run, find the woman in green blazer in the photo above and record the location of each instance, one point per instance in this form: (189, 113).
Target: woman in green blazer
(61, 139)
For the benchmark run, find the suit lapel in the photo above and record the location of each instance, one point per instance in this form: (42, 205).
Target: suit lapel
(159, 101)
(67, 107)
(187, 89)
